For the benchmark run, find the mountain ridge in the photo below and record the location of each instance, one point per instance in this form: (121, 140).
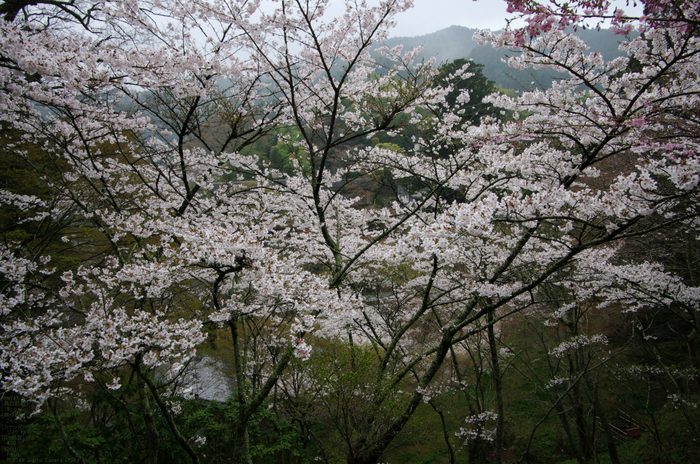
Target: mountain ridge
(457, 42)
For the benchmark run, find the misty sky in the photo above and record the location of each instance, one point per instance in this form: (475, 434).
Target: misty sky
(432, 15)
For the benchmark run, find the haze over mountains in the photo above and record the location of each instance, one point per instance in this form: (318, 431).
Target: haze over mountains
(456, 42)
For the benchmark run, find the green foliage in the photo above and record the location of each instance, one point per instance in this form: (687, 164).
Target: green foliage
(280, 150)
(476, 85)
(91, 437)
(109, 432)
(389, 146)
(347, 407)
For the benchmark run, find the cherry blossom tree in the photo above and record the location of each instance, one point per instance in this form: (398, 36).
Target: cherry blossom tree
(542, 191)
(144, 108)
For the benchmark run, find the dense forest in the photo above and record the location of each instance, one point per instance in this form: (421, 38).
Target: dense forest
(248, 232)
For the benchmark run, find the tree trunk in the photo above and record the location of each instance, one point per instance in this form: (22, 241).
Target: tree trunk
(153, 439)
(241, 437)
(445, 433)
(609, 439)
(500, 420)
(241, 444)
(573, 453)
(580, 419)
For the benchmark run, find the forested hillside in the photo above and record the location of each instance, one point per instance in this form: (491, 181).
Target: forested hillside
(457, 42)
(249, 233)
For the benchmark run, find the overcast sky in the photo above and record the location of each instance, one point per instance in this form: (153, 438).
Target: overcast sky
(432, 15)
